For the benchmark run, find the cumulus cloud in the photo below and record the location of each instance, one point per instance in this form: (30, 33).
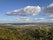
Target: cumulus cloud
(28, 10)
(49, 9)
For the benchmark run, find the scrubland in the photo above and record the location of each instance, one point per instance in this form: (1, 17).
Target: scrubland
(26, 33)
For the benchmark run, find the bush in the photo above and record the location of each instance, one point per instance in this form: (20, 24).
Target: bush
(40, 33)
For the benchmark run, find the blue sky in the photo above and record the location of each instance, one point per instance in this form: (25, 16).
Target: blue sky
(10, 5)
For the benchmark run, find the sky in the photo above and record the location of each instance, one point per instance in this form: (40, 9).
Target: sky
(26, 11)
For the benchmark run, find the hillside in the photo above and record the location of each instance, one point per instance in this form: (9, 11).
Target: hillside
(29, 33)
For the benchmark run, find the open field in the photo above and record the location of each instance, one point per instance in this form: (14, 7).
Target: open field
(26, 33)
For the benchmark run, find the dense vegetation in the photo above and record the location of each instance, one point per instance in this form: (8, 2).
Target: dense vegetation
(31, 33)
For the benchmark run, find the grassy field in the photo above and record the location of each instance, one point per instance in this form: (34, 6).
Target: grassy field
(26, 33)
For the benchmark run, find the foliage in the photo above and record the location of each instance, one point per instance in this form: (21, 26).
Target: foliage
(34, 33)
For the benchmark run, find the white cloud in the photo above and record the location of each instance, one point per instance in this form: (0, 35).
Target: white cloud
(31, 20)
(34, 10)
(50, 5)
(23, 19)
(51, 19)
(41, 19)
(51, 16)
(28, 10)
(49, 9)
